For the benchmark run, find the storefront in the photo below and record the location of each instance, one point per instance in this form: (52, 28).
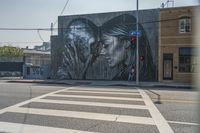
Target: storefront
(177, 56)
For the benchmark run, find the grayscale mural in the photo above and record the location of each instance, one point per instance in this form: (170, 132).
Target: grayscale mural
(104, 51)
(81, 48)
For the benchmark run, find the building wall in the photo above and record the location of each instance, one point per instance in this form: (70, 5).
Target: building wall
(171, 40)
(97, 46)
(9, 69)
(36, 64)
(11, 66)
(37, 59)
(56, 54)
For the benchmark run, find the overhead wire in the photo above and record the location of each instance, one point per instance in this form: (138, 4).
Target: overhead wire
(49, 29)
(38, 32)
(18, 42)
(25, 29)
(61, 12)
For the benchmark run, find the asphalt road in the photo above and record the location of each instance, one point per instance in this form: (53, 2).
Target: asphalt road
(55, 108)
(13, 93)
(180, 107)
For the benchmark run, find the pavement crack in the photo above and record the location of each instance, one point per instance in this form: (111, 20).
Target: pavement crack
(101, 123)
(117, 118)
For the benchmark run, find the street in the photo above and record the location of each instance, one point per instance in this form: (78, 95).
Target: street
(85, 108)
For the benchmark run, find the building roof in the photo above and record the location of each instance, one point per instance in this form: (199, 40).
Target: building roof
(181, 7)
(97, 13)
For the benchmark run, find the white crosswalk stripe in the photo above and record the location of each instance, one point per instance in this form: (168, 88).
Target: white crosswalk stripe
(156, 120)
(128, 106)
(104, 89)
(25, 128)
(119, 93)
(98, 97)
(160, 121)
(85, 115)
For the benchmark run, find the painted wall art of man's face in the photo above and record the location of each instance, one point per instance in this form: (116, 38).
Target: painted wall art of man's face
(82, 36)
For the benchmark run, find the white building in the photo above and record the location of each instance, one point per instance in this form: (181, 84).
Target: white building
(36, 64)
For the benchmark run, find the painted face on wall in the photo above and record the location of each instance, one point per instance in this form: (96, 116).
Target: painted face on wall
(81, 35)
(83, 47)
(114, 50)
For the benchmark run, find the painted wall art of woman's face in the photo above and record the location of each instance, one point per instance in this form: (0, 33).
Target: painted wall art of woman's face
(117, 47)
(116, 40)
(114, 50)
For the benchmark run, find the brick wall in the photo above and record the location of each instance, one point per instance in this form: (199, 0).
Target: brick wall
(171, 39)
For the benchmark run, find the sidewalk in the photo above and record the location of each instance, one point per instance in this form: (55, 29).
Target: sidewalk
(109, 83)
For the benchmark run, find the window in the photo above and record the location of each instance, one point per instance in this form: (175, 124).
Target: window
(27, 59)
(28, 70)
(187, 60)
(185, 24)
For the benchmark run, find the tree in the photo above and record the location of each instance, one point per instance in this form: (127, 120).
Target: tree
(10, 51)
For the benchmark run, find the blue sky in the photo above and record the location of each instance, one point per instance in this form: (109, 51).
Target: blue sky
(40, 14)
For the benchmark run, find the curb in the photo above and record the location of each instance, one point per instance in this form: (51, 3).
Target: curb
(107, 84)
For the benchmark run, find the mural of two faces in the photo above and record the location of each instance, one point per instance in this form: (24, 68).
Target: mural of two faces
(105, 51)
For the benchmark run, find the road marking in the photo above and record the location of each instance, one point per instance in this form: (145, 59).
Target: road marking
(106, 90)
(184, 123)
(25, 128)
(160, 121)
(128, 106)
(28, 101)
(97, 97)
(85, 115)
(91, 92)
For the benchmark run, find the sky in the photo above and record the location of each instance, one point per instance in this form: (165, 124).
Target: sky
(41, 13)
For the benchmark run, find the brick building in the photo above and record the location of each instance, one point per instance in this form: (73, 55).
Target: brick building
(177, 56)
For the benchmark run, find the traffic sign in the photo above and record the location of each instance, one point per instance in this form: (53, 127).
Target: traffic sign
(136, 33)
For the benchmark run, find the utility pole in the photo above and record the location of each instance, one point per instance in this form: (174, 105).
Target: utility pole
(51, 29)
(137, 47)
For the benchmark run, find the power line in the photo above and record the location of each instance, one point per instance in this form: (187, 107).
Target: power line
(26, 29)
(49, 29)
(38, 32)
(61, 12)
(2, 42)
(64, 7)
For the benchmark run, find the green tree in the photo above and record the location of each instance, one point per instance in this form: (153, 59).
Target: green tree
(10, 51)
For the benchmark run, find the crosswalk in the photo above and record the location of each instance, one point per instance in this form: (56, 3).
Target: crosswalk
(85, 110)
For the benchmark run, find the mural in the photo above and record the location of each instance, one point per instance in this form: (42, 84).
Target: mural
(86, 46)
(81, 49)
(118, 52)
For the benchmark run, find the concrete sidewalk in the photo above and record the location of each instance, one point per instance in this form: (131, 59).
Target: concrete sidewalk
(108, 83)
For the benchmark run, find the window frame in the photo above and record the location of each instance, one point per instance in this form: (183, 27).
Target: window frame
(189, 67)
(184, 22)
